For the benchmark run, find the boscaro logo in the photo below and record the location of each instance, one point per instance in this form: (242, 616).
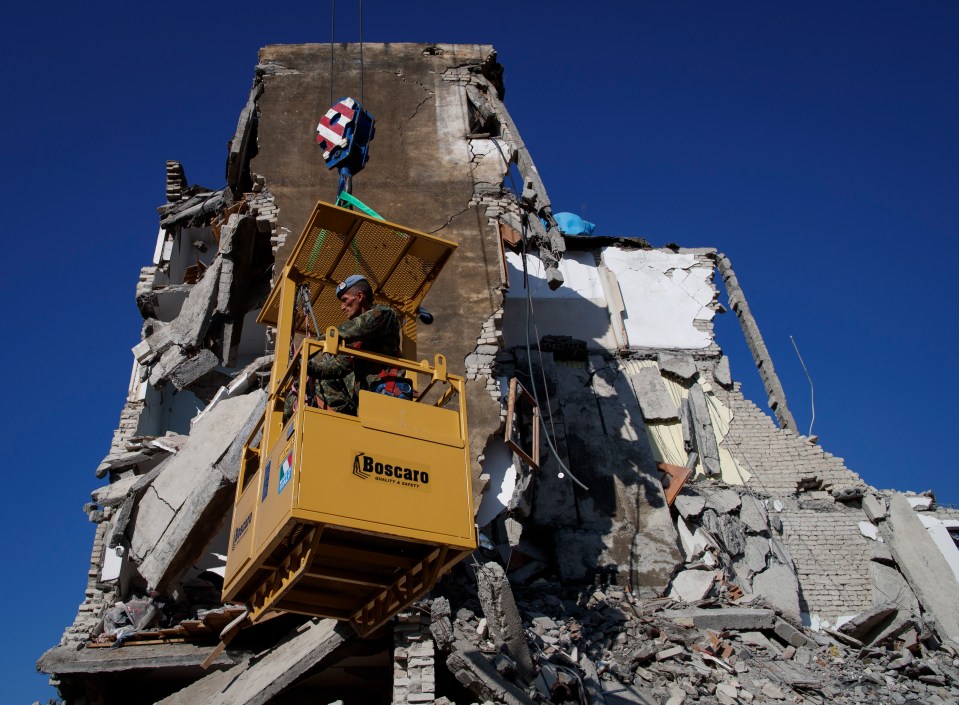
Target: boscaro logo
(241, 529)
(391, 471)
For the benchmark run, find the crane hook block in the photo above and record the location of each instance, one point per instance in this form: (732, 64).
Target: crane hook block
(344, 133)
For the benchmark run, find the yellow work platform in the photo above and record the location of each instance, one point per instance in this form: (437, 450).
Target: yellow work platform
(352, 517)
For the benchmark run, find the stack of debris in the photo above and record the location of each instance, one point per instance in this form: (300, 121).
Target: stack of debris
(599, 644)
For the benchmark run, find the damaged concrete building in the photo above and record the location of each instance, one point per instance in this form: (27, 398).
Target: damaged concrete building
(648, 534)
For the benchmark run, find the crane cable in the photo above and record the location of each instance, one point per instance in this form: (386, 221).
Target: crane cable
(333, 43)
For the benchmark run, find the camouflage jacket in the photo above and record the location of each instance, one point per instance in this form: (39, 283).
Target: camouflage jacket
(376, 330)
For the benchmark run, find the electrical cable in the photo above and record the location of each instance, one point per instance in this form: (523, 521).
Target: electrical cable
(529, 353)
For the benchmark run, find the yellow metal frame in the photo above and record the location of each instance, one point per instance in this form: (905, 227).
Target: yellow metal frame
(352, 517)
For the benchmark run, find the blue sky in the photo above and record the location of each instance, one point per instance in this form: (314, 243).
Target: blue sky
(814, 143)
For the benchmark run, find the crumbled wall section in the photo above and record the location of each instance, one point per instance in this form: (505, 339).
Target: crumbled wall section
(831, 559)
(779, 459)
(97, 597)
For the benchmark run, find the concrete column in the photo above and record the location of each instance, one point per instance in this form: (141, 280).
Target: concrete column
(754, 339)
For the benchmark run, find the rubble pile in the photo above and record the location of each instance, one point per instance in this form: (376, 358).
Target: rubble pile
(599, 644)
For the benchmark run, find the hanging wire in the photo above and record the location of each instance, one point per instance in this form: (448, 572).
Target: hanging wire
(332, 35)
(812, 392)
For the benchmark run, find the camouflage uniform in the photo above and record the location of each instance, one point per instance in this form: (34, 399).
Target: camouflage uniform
(339, 378)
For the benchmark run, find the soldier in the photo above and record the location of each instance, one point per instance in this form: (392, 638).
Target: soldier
(371, 327)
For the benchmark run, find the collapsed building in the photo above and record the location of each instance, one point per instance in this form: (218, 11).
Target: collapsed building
(648, 534)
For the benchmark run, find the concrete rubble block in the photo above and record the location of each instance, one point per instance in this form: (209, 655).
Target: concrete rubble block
(873, 620)
(259, 681)
(923, 565)
(753, 515)
(654, 400)
(188, 501)
(780, 586)
(622, 520)
(679, 366)
(478, 675)
(189, 369)
(692, 585)
(735, 618)
(722, 374)
(791, 635)
(723, 501)
(689, 504)
(189, 328)
(727, 529)
(503, 617)
(756, 556)
(703, 432)
(874, 507)
(889, 586)
(694, 544)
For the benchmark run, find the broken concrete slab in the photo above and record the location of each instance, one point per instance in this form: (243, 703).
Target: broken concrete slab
(193, 493)
(791, 635)
(753, 515)
(723, 501)
(70, 660)
(259, 682)
(722, 374)
(780, 587)
(735, 618)
(692, 585)
(923, 565)
(475, 672)
(688, 504)
(654, 400)
(874, 507)
(680, 366)
(865, 623)
(889, 586)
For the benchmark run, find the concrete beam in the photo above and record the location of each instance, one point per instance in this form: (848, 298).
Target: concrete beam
(754, 340)
(259, 682)
(923, 565)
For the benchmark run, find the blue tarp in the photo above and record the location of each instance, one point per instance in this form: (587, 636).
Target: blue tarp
(572, 224)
